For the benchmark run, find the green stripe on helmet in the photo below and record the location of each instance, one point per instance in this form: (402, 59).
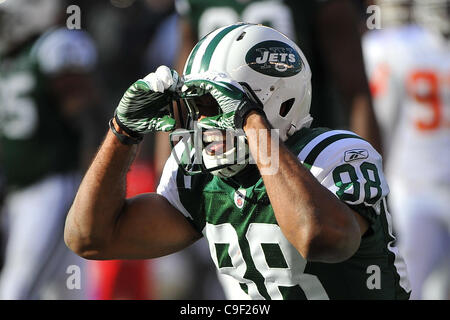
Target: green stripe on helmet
(192, 56)
(213, 45)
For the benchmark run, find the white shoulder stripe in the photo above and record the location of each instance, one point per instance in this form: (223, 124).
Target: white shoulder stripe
(168, 184)
(314, 142)
(399, 262)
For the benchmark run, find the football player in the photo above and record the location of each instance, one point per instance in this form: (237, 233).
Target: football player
(409, 66)
(45, 83)
(302, 218)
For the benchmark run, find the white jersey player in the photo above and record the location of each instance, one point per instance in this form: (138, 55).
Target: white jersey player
(409, 69)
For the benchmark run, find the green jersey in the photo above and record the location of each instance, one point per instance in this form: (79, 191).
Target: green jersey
(35, 138)
(297, 20)
(247, 244)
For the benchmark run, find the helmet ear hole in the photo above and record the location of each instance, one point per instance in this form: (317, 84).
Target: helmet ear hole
(286, 107)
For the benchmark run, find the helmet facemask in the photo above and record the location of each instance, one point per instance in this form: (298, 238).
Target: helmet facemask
(220, 152)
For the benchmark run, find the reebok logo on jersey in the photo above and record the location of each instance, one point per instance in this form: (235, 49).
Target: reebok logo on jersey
(355, 154)
(274, 58)
(239, 198)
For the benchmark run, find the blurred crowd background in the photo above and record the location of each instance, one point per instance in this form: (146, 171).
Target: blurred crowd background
(380, 68)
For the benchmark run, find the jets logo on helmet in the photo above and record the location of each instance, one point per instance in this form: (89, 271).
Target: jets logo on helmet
(274, 58)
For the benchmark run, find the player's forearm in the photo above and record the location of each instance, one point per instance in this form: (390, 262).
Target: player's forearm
(100, 198)
(320, 226)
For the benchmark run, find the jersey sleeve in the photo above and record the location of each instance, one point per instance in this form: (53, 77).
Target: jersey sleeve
(350, 168)
(65, 50)
(168, 187)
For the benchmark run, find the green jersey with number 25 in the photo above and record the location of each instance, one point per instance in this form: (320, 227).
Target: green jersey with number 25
(247, 244)
(35, 138)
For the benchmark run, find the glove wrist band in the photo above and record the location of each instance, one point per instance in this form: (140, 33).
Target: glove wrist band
(242, 112)
(123, 138)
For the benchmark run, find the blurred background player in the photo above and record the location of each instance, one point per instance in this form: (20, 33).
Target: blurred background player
(46, 123)
(408, 61)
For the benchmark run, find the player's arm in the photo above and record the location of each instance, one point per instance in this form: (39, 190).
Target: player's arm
(344, 59)
(101, 223)
(314, 220)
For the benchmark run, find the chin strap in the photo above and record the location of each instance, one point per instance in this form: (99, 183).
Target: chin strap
(304, 123)
(250, 103)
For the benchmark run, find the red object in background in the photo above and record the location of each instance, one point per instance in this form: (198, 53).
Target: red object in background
(126, 279)
(379, 81)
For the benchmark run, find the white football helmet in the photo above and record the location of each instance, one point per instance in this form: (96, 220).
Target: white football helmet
(265, 61)
(22, 19)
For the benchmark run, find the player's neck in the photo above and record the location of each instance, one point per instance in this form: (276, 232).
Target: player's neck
(246, 178)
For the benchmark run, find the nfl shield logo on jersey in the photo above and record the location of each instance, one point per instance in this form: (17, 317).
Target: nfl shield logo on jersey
(239, 198)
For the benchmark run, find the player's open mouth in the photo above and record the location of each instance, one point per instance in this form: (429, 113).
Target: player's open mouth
(216, 142)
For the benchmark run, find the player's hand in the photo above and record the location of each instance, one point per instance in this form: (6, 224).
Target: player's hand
(235, 100)
(144, 107)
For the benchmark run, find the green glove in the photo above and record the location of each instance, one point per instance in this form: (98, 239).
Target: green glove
(234, 99)
(144, 107)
